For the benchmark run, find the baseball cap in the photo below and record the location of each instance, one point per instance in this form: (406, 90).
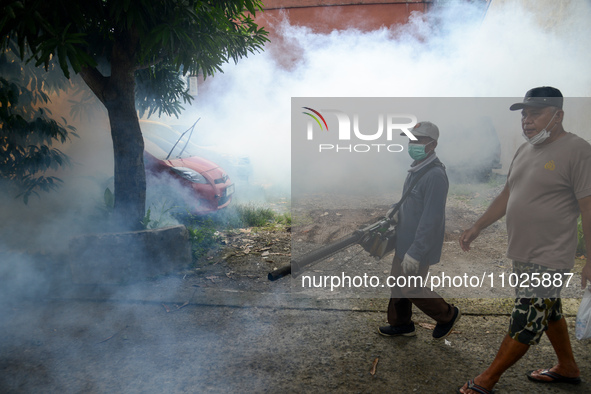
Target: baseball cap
(544, 96)
(425, 129)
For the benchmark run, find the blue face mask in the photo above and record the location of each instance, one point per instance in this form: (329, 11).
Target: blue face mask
(417, 151)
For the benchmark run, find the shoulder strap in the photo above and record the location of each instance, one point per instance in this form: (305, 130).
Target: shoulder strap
(412, 185)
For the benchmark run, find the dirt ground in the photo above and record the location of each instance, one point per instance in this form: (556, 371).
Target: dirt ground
(223, 327)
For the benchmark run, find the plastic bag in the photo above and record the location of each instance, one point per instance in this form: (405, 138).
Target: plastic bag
(583, 325)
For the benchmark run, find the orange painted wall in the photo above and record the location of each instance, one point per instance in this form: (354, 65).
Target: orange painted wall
(323, 16)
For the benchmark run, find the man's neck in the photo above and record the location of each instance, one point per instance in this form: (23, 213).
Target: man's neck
(416, 166)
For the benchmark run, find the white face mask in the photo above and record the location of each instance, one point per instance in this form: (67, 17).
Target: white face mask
(541, 136)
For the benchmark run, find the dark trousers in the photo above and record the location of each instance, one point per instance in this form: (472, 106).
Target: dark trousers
(402, 299)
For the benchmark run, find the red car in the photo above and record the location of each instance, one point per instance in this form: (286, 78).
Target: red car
(193, 183)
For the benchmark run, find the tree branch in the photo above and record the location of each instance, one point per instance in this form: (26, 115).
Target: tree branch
(156, 61)
(95, 81)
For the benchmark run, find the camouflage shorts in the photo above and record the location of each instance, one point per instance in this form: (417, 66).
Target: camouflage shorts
(534, 306)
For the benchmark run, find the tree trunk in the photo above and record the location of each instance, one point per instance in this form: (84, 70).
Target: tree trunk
(128, 144)
(130, 176)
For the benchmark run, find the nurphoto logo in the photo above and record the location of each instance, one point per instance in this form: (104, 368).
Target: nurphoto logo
(351, 131)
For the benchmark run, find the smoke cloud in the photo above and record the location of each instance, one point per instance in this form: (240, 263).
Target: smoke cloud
(452, 51)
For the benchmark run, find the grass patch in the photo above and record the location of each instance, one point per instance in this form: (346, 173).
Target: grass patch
(161, 216)
(205, 232)
(254, 216)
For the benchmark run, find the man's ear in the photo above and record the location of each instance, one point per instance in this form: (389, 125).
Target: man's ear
(559, 116)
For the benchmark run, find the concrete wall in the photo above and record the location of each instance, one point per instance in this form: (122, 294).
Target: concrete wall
(114, 258)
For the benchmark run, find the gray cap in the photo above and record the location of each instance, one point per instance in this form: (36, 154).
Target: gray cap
(425, 129)
(544, 96)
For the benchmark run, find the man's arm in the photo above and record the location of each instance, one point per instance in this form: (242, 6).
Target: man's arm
(495, 211)
(585, 207)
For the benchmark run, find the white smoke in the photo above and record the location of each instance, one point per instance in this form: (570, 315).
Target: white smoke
(451, 51)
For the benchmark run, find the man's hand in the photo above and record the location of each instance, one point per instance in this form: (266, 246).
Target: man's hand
(586, 274)
(394, 217)
(410, 265)
(467, 237)
(494, 212)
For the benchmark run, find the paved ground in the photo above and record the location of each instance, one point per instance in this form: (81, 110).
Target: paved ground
(168, 336)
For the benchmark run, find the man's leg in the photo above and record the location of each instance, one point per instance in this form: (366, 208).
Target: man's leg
(399, 310)
(399, 307)
(527, 313)
(428, 301)
(567, 366)
(402, 299)
(509, 353)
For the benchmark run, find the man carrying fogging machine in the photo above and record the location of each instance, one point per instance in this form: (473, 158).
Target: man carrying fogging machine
(548, 185)
(420, 232)
(417, 240)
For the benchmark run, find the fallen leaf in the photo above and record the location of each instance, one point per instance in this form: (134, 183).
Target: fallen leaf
(374, 367)
(428, 326)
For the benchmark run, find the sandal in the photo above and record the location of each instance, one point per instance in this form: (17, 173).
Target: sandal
(477, 388)
(556, 378)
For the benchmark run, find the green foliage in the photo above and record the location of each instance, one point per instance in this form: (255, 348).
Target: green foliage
(164, 218)
(204, 231)
(107, 42)
(160, 89)
(164, 40)
(581, 248)
(27, 131)
(253, 216)
(101, 219)
(203, 236)
(284, 219)
(84, 104)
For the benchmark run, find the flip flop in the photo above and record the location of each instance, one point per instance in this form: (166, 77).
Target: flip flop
(556, 378)
(475, 387)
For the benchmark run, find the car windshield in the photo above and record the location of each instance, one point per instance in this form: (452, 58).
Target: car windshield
(160, 140)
